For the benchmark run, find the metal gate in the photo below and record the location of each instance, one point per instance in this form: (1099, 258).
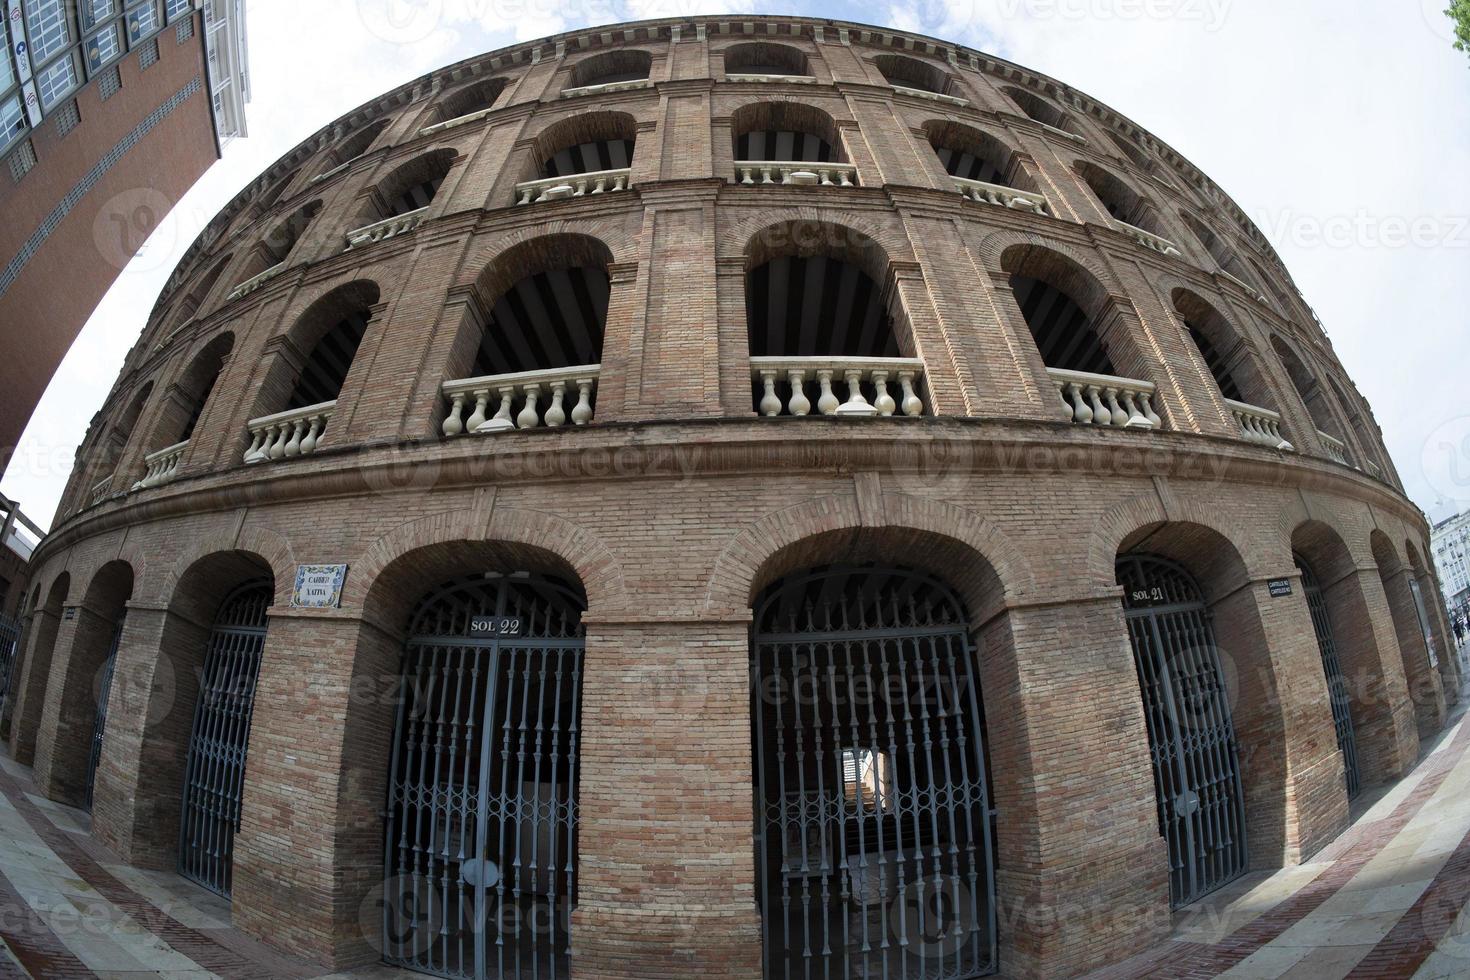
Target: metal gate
(10, 646)
(1187, 706)
(480, 856)
(214, 773)
(874, 850)
(99, 720)
(1337, 688)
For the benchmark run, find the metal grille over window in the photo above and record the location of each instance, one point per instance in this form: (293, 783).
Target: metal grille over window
(1337, 686)
(10, 646)
(1190, 733)
(874, 846)
(481, 843)
(148, 56)
(109, 83)
(68, 118)
(184, 31)
(99, 721)
(22, 160)
(214, 774)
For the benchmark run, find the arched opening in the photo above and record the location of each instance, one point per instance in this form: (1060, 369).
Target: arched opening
(1421, 672)
(193, 300)
(70, 774)
(1225, 351)
(410, 187)
(1121, 202)
(110, 462)
(181, 411)
(1429, 609)
(1130, 150)
(474, 97)
(1040, 110)
(784, 131)
(608, 67)
(970, 154)
(1337, 685)
(588, 142)
(901, 71)
(1221, 809)
(1311, 394)
(1222, 253)
(485, 749)
(274, 192)
(272, 250)
(765, 58)
(30, 684)
(539, 306)
(826, 293)
(870, 763)
(357, 143)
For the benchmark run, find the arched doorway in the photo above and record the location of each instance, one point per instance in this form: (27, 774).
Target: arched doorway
(874, 847)
(1201, 803)
(214, 772)
(99, 720)
(1337, 686)
(480, 851)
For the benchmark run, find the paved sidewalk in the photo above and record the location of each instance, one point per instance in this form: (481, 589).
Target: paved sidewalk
(1387, 899)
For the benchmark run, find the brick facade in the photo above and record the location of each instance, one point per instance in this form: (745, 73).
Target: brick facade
(678, 505)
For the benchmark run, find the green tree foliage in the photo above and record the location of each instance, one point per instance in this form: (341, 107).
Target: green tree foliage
(1459, 12)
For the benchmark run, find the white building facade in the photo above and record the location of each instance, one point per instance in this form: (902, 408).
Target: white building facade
(1450, 541)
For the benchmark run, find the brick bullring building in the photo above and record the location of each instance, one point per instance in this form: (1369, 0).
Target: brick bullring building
(729, 498)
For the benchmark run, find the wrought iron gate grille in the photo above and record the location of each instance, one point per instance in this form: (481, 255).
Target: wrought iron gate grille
(874, 851)
(214, 773)
(1337, 688)
(99, 720)
(10, 646)
(480, 854)
(1187, 706)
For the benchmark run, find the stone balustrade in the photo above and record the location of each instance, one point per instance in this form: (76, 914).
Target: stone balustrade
(295, 432)
(795, 172)
(381, 231)
(1335, 447)
(1102, 399)
(162, 466)
(573, 185)
(468, 117)
(1259, 425)
(1000, 195)
(329, 174)
(606, 88)
(1058, 131)
(922, 93)
(1148, 239)
(761, 77)
(100, 490)
(1245, 287)
(804, 377)
(541, 395)
(256, 281)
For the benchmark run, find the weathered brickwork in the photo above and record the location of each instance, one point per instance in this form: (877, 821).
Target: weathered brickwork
(678, 505)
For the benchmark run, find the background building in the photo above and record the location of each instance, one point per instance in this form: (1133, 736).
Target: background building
(105, 121)
(1450, 540)
(729, 489)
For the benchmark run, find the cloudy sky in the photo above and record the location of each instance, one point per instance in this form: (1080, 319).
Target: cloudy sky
(1342, 129)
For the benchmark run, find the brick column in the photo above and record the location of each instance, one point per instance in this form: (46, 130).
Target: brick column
(64, 741)
(665, 860)
(1426, 690)
(29, 689)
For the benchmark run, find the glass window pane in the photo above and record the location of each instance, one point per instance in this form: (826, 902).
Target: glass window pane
(95, 12)
(7, 75)
(142, 22)
(102, 47)
(176, 7)
(57, 80)
(12, 119)
(48, 28)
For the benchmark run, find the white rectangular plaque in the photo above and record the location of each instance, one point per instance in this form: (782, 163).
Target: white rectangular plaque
(319, 586)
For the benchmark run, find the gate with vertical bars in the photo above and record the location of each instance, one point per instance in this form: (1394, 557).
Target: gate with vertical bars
(874, 850)
(214, 773)
(11, 643)
(1337, 688)
(481, 843)
(99, 720)
(1191, 737)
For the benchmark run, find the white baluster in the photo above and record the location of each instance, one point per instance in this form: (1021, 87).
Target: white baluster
(293, 445)
(826, 401)
(770, 402)
(1081, 411)
(1110, 397)
(556, 415)
(1101, 414)
(582, 412)
(856, 404)
(308, 445)
(884, 401)
(1135, 418)
(477, 417)
(799, 403)
(453, 424)
(502, 419)
(530, 417)
(912, 404)
(253, 454)
(280, 433)
(747, 175)
(1146, 400)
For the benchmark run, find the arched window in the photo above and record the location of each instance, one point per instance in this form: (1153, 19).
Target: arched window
(901, 71)
(1310, 391)
(180, 412)
(611, 66)
(973, 155)
(357, 144)
(273, 250)
(765, 58)
(588, 142)
(1229, 358)
(785, 131)
(115, 441)
(412, 186)
(1138, 158)
(1040, 110)
(1122, 202)
(274, 192)
(193, 301)
(470, 98)
(1222, 253)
